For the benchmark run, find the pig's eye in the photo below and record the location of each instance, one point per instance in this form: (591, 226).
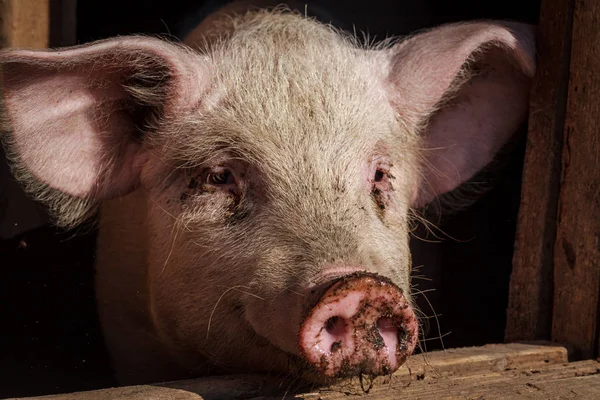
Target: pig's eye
(381, 177)
(381, 188)
(220, 177)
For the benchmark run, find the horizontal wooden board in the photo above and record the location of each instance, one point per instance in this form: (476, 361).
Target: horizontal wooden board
(506, 367)
(579, 380)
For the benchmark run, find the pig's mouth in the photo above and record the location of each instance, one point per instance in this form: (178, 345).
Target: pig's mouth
(362, 324)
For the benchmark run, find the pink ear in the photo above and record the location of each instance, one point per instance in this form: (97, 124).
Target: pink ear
(466, 86)
(77, 116)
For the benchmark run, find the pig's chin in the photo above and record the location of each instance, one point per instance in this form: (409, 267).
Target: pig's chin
(274, 359)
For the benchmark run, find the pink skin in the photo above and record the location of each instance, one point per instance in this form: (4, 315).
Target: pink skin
(77, 117)
(362, 324)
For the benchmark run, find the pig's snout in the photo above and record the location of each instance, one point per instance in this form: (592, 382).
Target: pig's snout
(362, 324)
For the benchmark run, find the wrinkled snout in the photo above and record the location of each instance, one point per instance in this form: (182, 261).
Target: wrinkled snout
(362, 324)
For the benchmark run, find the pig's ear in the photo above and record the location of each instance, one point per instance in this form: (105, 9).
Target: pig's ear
(74, 120)
(465, 88)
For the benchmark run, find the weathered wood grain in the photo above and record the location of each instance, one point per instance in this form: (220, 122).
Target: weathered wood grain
(577, 247)
(63, 23)
(24, 23)
(579, 380)
(530, 299)
(492, 365)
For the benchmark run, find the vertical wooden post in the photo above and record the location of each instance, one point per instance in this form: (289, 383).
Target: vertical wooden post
(555, 285)
(63, 26)
(577, 247)
(529, 315)
(24, 23)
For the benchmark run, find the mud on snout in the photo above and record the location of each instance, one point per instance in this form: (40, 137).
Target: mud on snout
(362, 324)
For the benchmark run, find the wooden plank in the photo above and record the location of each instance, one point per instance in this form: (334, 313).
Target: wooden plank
(491, 357)
(24, 23)
(530, 299)
(575, 380)
(577, 247)
(63, 23)
(490, 360)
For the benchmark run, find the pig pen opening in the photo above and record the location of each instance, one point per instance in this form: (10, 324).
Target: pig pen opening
(52, 342)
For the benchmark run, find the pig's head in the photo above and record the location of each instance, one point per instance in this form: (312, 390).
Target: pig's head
(280, 167)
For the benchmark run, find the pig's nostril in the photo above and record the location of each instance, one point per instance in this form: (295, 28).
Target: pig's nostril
(335, 346)
(335, 326)
(385, 324)
(335, 334)
(362, 324)
(390, 332)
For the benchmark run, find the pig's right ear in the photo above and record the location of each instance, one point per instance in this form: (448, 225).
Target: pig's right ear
(74, 120)
(465, 89)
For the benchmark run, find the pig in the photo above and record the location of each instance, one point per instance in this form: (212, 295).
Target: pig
(257, 183)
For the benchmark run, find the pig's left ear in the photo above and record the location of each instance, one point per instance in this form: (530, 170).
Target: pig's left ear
(465, 87)
(74, 120)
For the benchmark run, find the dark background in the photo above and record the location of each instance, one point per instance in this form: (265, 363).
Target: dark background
(50, 337)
